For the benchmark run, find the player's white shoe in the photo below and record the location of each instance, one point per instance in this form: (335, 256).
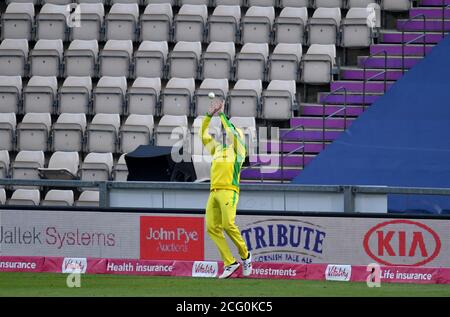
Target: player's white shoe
(247, 265)
(229, 270)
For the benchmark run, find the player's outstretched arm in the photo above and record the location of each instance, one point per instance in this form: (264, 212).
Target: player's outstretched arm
(207, 140)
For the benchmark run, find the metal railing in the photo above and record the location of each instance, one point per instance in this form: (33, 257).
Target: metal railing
(422, 36)
(324, 117)
(365, 80)
(283, 155)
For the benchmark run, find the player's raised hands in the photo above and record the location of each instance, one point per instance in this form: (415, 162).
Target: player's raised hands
(216, 106)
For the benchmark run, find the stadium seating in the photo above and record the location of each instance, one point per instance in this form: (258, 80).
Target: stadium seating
(251, 61)
(51, 22)
(156, 22)
(88, 198)
(74, 96)
(14, 57)
(184, 60)
(137, 130)
(290, 25)
(256, 25)
(176, 98)
(40, 95)
(8, 125)
(62, 165)
(218, 60)
(190, 23)
(68, 132)
(96, 167)
(150, 59)
(80, 59)
(115, 58)
(120, 170)
(34, 131)
(18, 21)
(244, 98)
(284, 62)
(224, 24)
(25, 197)
(26, 166)
(4, 163)
(10, 93)
(102, 133)
(92, 16)
(201, 99)
(121, 22)
(46, 58)
(56, 197)
(109, 95)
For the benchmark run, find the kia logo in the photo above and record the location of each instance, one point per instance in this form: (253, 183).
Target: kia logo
(402, 242)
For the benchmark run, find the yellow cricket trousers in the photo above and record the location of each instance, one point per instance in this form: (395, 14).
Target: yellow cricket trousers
(220, 216)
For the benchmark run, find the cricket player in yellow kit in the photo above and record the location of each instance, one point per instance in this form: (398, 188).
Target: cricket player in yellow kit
(224, 192)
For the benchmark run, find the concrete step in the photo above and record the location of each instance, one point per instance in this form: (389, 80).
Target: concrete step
(352, 98)
(358, 86)
(396, 49)
(372, 73)
(309, 109)
(419, 25)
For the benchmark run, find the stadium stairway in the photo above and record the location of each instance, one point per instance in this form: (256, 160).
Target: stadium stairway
(356, 89)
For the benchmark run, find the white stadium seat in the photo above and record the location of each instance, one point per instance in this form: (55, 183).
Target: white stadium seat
(184, 60)
(115, 58)
(251, 61)
(244, 98)
(80, 58)
(97, 167)
(201, 99)
(62, 165)
(396, 5)
(40, 95)
(278, 100)
(2, 196)
(150, 59)
(57, 197)
(46, 58)
(51, 22)
(68, 132)
(172, 131)
(120, 170)
(285, 61)
(4, 164)
(143, 96)
(109, 95)
(190, 23)
(262, 3)
(25, 197)
(290, 26)
(224, 24)
(8, 131)
(218, 60)
(137, 130)
(355, 30)
(328, 3)
(294, 3)
(88, 198)
(156, 22)
(10, 93)
(75, 95)
(26, 165)
(122, 21)
(18, 21)
(103, 132)
(256, 25)
(323, 26)
(176, 98)
(91, 22)
(317, 64)
(33, 132)
(13, 57)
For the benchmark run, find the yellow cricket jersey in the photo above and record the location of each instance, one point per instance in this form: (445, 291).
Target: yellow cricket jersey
(227, 160)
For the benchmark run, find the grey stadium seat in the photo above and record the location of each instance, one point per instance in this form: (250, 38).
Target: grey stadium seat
(88, 198)
(46, 58)
(190, 23)
(121, 22)
(8, 131)
(172, 131)
(150, 59)
(278, 100)
(396, 5)
(137, 130)
(4, 164)
(156, 22)
(33, 132)
(182, 2)
(109, 95)
(10, 93)
(97, 167)
(51, 22)
(2, 196)
(120, 170)
(115, 58)
(317, 64)
(244, 98)
(355, 30)
(68, 132)
(184, 60)
(256, 25)
(57, 197)
(323, 26)
(285, 61)
(40, 95)
(103, 132)
(251, 61)
(171, 2)
(143, 96)
(13, 57)
(262, 3)
(328, 3)
(230, 2)
(91, 22)
(294, 3)
(18, 21)
(290, 26)
(25, 197)
(201, 99)
(62, 165)
(26, 165)
(218, 60)
(80, 58)
(224, 24)
(176, 98)
(75, 95)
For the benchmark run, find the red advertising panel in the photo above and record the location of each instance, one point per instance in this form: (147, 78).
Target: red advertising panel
(171, 238)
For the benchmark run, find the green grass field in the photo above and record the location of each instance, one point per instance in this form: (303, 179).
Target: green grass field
(43, 284)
